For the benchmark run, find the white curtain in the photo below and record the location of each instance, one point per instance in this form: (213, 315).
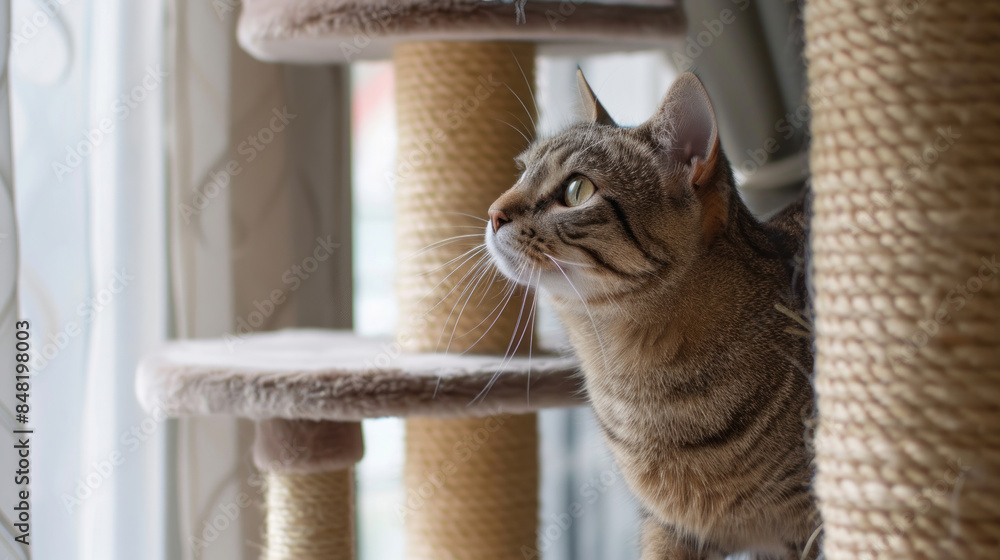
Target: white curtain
(258, 174)
(126, 116)
(9, 316)
(88, 89)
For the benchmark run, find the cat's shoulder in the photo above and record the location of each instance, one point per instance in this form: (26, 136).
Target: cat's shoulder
(788, 229)
(791, 223)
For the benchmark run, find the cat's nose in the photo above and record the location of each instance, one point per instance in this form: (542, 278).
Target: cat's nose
(498, 218)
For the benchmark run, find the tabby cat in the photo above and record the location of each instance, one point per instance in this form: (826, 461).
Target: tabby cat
(687, 315)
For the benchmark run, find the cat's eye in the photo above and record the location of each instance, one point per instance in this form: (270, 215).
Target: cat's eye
(578, 190)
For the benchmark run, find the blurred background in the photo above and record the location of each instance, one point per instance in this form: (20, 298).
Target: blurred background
(137, 204)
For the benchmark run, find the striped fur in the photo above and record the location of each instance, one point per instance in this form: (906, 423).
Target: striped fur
(687, 314)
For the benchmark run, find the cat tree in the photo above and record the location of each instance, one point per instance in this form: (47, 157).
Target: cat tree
(905, 163)
(906, 229)
(465, 108)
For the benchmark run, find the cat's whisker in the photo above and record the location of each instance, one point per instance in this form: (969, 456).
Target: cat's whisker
(530, 324)
(584, 265)
(512, 346)
(797, 332)
(531, 337)
(526, 111)
(519, 131)
(793, 316)
(493, 277)
(592, 145)
(467, 216)
(506, 292)
(452, 226)
(519, 121)
(484, 267)
(475, 250)
(809, 544)
(437, 244)
(508, 358)
(502, 305)
(600, 343)
(479, 263)
(510, 353)
(446, 239)
(457, 284)
(437, 268)
(457, 268)
(527, 82)
(592, 131)
(475, 271)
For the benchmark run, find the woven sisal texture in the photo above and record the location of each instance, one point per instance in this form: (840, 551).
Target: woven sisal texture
(457, 117)
(472, 488)
(464, 111)
(906, 232)
(310, 517)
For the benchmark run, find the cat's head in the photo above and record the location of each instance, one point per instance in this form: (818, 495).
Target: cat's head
(602, 209)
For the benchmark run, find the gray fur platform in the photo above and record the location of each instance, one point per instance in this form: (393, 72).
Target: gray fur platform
(339, 376)
(338, 31)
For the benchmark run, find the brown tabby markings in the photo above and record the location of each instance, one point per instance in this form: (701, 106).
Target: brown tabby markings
(669, 290)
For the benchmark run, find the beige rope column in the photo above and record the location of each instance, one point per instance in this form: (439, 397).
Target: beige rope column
(459, 106)
(464, 111)
(472, 487)
(309, 479)
(906, 233)
(310, 516)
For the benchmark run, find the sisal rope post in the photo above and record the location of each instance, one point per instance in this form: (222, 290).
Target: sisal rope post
(465, 109)
(905, 237)
(310, 516)
(472, 487)
(308, 471)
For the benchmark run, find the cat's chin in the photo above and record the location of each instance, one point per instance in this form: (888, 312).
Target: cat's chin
(505, 263)
(508, 267)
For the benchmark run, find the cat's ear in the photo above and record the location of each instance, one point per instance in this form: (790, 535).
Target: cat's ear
(594, 111)
(685, 127)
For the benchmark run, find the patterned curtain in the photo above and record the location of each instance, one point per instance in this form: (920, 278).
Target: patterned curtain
(9, 316)
(166, 184)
